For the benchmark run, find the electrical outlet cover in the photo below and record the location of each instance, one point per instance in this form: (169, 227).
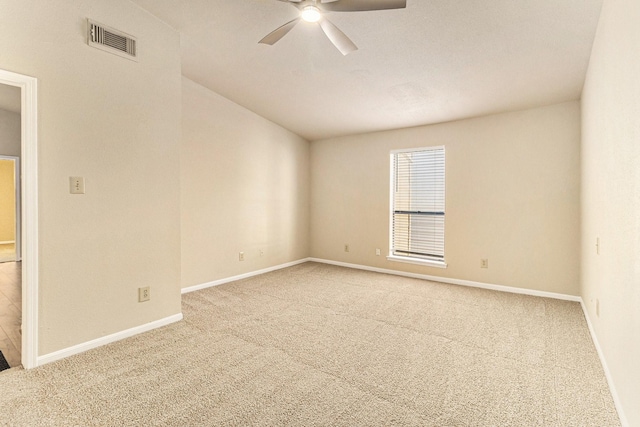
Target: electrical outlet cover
(76, 185)
(144, 294)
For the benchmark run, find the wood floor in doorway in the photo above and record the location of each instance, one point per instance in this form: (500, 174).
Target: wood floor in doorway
(11, 311)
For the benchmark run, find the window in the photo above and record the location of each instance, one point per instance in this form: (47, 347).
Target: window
(417, 206)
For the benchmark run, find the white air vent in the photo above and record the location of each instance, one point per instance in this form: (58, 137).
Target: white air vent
(111, 40)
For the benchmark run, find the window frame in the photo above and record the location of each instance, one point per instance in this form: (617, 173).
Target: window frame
(392, 181)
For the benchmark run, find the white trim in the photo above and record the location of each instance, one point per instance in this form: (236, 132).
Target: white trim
(418, 261)
(410, 150)
(81, 348)
(391, 196)
(29, 250)
(461, 282)
(18, 184)
(605, 367)
(242, 276)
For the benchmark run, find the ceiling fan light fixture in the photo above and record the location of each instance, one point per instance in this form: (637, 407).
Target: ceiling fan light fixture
(311, 14)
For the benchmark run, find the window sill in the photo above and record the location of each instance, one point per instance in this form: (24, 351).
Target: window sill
(418, 261)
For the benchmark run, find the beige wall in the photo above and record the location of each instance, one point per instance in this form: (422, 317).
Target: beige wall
(9, 146)
(245, 187)
(7, 201)
(512, 196)
(611, 196)
(9, 132)
(117, 123)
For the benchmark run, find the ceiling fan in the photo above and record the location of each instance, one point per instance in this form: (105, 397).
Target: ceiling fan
(314, 11)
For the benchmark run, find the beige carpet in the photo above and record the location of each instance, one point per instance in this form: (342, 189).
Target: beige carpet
(318, 345)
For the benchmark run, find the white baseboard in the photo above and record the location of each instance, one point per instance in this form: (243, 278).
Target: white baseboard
(470, 283)
(242, 276)
(80, 348)
(605, 367)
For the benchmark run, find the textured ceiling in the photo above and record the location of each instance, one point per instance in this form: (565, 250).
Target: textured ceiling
(435, 61)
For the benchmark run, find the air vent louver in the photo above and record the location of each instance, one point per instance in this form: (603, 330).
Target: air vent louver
(111, 40)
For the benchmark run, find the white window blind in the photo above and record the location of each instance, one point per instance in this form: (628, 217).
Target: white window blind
(417, 223)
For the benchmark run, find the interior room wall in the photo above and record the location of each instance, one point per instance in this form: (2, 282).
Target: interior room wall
(245, 188)
(115, 122)
(9, 132)
(512, 197)
(7, 201)
(611, 197)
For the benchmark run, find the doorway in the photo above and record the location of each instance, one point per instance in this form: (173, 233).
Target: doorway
(10, 231)
(25, 273)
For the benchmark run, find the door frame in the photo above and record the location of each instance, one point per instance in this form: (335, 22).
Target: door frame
(18, 207)
(29, 206)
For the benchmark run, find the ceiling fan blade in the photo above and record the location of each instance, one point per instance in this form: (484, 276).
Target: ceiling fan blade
(279, 32)
(337, 37)
(294, 3)
(363, 5)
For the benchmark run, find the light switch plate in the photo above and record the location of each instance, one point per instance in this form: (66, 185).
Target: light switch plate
(76, 185)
